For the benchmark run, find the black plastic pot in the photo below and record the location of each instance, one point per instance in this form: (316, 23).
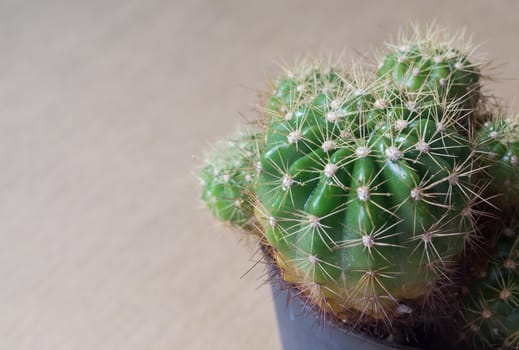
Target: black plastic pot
(300, 328)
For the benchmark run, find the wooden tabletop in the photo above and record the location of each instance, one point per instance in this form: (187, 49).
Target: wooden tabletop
(104, 107)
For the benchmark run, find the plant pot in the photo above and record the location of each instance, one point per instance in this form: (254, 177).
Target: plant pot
(301, 329)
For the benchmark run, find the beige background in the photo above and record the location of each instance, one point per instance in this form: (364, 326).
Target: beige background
(103, 105)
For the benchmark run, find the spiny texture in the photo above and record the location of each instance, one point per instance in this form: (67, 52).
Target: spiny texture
(365, 189)
(490, 313)
(499, 146)
(227, 180)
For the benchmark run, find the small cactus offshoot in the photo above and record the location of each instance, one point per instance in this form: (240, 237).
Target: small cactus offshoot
(499, 147)
(490, 313)
(227, 178)
(434, 62)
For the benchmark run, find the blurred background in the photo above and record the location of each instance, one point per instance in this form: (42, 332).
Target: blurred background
(104, 108)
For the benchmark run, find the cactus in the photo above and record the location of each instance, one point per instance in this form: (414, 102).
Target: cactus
(490, 312)
(227, 179)
(362, 187)
(368, 186)
(499, 145)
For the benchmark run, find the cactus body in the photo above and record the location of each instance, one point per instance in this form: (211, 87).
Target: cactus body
(364, 196)
(227, 180)
(490, 313)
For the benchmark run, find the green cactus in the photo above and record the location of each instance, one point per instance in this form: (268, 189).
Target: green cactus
(365, 194)
(498, 141)
(490, 312)
(227, 178)
(368, 187)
